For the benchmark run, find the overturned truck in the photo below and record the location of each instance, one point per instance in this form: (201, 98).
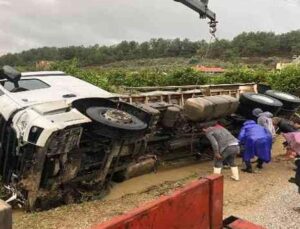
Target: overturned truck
(62, 137)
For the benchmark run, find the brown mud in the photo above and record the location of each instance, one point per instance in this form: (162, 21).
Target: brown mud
(240, 198)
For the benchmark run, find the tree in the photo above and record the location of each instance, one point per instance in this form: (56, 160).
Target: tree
(252, 44)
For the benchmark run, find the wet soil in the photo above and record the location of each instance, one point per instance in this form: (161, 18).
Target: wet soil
(240, 198)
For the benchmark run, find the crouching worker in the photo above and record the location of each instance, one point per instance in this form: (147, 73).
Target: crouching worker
(292, 144)
(296, 179)
(297, 175)
(225, 147)
(285, 126)
(257, 141)
(265, 120)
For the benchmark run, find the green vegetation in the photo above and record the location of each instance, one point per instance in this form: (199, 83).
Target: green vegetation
(253, 44)
(161, 62)
(286, 80)
(114, 79)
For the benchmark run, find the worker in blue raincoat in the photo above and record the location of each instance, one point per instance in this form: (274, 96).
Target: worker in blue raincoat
(257, 141)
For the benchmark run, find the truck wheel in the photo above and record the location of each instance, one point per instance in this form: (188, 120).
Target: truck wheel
(290, 102)
(250, 101)
(114, 123)
(288, 114)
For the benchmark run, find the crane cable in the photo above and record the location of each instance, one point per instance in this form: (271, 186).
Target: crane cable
(212, 32)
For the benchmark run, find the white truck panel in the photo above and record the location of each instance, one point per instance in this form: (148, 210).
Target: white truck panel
(52, 116)
(8, 106)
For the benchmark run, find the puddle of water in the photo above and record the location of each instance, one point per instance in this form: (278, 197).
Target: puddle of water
(139, 184)
(168, 172)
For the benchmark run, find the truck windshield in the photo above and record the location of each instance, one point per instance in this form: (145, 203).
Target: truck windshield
(26, 84)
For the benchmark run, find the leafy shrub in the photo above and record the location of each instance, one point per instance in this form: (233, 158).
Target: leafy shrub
(194, 60)
(286, 80)
(186, 76)
(245, 75)
(91, 76)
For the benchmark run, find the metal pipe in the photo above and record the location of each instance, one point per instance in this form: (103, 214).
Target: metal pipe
(179, 143)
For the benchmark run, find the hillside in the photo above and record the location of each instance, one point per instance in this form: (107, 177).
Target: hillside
(252, 44)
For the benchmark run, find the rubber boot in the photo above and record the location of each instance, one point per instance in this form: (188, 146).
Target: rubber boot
(260, 164)
(248, 168)
(217, 170)
(235, 173)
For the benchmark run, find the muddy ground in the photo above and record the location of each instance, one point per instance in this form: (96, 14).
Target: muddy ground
(240, 198)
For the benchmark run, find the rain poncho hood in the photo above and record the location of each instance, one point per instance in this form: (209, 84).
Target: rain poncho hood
(256, 112)
(257, 141)
(266, 114)
(265, 120)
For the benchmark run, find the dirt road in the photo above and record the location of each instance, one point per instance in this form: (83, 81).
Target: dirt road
(241, 198)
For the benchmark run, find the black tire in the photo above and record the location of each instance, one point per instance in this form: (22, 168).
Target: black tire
(250, 101)
(290, 102)
(115, 123)
(283, 113)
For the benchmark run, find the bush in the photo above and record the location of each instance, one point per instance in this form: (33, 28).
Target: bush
(245, 75)
(180, 76)
(71, 67)
(194, 60)
(287, 80)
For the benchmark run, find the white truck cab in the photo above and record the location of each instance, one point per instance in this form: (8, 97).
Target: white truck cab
(55, 130)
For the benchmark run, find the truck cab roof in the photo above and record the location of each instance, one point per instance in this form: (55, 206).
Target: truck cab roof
(47, 86)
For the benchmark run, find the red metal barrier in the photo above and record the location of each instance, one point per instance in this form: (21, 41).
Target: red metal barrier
(216, 201)
(199, 205)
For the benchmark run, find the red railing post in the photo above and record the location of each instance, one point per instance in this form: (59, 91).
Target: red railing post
(216, 184)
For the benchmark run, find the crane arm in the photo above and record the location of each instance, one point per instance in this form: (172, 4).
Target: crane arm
(201, 7)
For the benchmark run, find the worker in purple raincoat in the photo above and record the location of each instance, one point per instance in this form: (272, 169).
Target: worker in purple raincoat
(292, 146)
(257, 141)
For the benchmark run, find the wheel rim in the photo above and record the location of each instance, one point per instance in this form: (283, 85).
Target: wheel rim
(285, 96)
(263, 98)
(117, 116)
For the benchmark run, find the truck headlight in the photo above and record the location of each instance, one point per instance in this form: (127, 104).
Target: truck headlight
(22, 122)
(34, 134)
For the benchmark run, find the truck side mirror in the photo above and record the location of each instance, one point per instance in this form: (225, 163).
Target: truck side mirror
(11, 74)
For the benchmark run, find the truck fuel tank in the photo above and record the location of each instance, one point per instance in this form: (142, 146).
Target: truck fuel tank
(210, 107)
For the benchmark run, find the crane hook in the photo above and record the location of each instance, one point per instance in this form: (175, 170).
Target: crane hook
(213, 27)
